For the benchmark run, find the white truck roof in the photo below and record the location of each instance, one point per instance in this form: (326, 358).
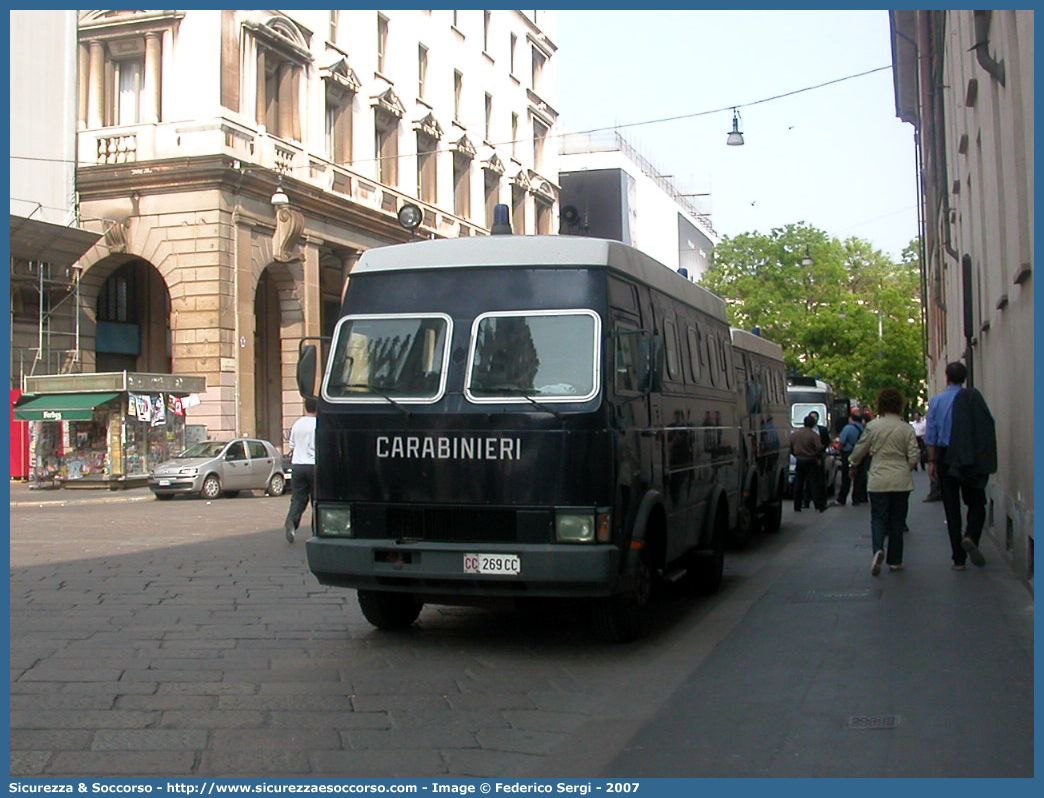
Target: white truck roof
(742, 339)
(540, 251)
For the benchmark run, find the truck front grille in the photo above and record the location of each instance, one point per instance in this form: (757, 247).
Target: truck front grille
(452, 524)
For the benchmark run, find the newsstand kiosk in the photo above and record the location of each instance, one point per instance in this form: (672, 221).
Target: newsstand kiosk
(104, 430)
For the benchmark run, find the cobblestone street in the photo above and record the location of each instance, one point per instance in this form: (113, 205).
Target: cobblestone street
(187, 638)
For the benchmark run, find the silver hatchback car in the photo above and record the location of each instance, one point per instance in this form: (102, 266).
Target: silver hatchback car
(214, 468)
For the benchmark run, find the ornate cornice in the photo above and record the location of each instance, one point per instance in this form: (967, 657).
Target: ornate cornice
(494, 164)
(341, 75)
(429, 126)
(464, 146)
(111, 24)
(389, 102)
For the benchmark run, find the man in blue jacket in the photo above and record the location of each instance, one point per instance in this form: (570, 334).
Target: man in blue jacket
(962, 453)
(849, 435)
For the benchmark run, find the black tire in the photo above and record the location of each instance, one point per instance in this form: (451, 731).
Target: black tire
(706, 568)
(276, 485)
(163, 497)
(619, 618)
(748, 521)
(772, 520)
(211, 488)
(389, 610)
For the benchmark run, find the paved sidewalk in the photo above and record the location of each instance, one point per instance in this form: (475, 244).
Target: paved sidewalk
(22, 495)
(925, 671)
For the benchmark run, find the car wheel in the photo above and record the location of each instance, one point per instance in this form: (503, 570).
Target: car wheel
(211, 487)
(276, 485)
(389, 610)
(163, 496)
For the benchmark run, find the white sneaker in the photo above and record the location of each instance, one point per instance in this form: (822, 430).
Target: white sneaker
(875, 565)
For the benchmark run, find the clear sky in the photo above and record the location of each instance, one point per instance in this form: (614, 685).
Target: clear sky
(835, 157)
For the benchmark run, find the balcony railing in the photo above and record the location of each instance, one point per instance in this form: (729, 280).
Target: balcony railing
(257, 148)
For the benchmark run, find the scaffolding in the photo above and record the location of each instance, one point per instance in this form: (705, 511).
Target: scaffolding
(54, 292)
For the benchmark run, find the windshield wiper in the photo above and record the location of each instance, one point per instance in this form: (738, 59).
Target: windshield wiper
(541, 406)
(381, 394)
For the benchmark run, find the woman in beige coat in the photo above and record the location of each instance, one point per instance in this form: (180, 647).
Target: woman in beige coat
(891, 445)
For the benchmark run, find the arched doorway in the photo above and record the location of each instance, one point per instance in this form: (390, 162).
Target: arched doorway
(133, 329)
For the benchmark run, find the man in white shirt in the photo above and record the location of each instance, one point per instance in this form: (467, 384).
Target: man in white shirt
(302, 458)
(919, 424)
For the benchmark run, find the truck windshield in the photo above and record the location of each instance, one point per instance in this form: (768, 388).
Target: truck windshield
(547, 355)
(799, 410)
(376, 358)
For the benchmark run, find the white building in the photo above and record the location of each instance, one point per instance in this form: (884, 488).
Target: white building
(45, 237)
(609, 190)
(191, 123)
(965, 80)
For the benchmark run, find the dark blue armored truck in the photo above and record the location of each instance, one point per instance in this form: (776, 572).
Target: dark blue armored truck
(522, 417)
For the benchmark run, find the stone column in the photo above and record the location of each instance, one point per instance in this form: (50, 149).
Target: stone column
(96, 86)
(284, 81)
(349, 257)
(311, 312)
(83, 69)
(150, 101)
(311, 296)
(262, 100)
(244, 344)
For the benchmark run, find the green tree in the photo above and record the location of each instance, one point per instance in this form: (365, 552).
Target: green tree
(841, 310)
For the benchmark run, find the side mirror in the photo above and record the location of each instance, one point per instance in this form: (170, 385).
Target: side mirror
(307, 366)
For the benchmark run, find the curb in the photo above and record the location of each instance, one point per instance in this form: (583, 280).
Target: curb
(71, 502)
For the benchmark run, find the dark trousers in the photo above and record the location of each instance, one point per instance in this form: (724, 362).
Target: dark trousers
(809, 472)
(302, 488)
(953, 491)
(862, 473)
(887, 521)
(846, 479)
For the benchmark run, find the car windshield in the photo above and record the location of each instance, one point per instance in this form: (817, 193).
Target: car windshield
(546, 355)
(203, 449)
(377, 357)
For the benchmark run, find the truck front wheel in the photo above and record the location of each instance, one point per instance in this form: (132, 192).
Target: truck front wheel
(389, 610)
(618, 618)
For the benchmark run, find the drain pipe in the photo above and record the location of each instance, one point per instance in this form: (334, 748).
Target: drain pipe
(982, 42)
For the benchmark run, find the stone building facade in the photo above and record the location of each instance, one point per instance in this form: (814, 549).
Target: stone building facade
(964, 79)
(237, 163)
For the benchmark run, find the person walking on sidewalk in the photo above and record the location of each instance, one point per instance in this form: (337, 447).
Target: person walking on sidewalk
(962, 453)
(302, 458)
(892, 446)
(807, 448)
(918, 423)
(849, 435)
